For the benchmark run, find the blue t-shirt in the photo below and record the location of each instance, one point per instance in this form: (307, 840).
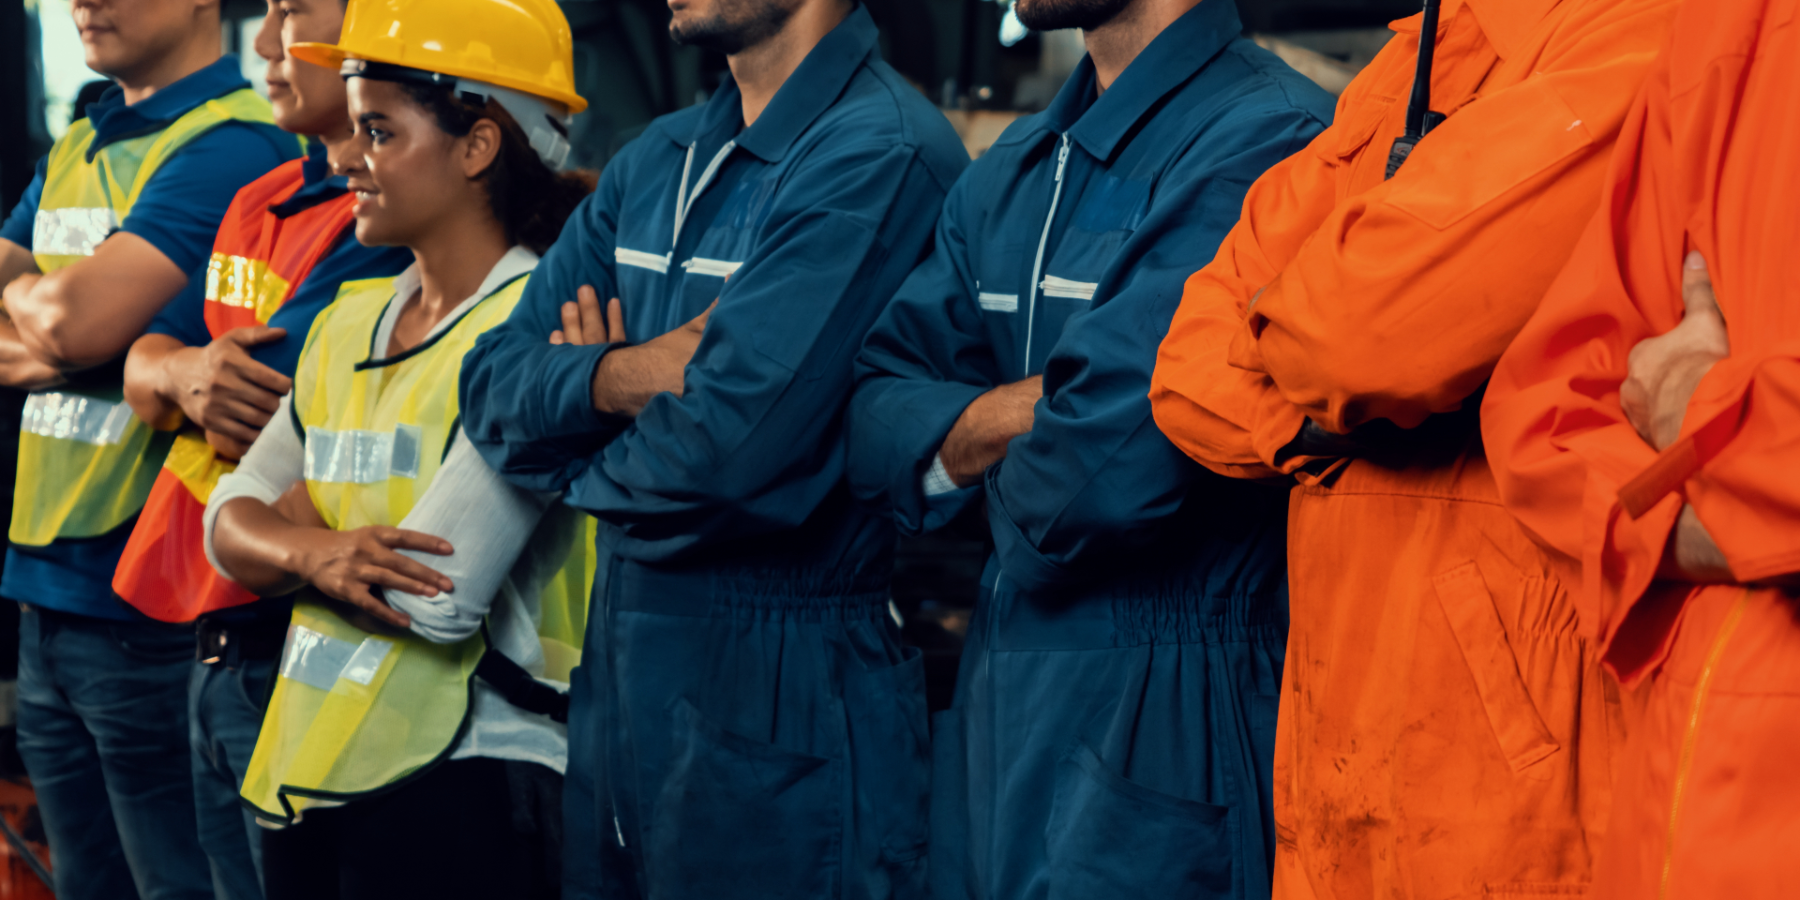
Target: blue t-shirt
(178, 212)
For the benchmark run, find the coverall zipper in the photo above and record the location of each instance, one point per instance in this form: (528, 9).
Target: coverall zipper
(1701, 686)
(1037, 267)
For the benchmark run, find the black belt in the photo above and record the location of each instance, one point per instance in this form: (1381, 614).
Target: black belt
(519, 688)
(235, 643)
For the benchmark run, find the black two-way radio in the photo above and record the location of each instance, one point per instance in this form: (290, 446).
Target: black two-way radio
(1419, 117)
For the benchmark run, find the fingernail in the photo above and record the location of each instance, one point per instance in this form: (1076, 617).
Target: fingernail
(1694, 260)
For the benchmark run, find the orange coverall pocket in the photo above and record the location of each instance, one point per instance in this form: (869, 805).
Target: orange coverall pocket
(1466, 174)
(1524, 738)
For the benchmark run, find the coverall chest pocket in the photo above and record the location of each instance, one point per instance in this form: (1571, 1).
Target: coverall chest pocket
(1001, 273)
(718, 256)
(1068, 284)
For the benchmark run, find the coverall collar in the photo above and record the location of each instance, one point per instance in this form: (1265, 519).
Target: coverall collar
(806, 94)
(1508, 24)
(115, 120)
(1187, 45)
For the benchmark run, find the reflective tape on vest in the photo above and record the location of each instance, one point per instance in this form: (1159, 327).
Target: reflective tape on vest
(72, 230)
(73, 417)
(320, 660)
(362, 457)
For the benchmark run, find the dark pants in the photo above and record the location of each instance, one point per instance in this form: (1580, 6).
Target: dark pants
(743, 737)
(481, 829)
(103, 729)
(225, 712)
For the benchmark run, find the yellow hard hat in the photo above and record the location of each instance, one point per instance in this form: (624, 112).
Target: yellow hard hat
(524, 45)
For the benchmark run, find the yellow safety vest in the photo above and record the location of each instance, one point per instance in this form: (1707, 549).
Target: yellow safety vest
(356, 711)
(85, 462)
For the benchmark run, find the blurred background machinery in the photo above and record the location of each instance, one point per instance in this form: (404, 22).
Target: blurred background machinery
(631, 73)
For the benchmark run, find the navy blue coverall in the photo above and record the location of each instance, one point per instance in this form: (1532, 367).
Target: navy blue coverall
(745, 722)
(1114, 724)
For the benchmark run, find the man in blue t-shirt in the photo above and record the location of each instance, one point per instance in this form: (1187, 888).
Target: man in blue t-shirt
(118, 223)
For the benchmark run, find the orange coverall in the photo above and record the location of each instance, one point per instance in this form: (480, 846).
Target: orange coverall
(1709, 793)
(1444, 730)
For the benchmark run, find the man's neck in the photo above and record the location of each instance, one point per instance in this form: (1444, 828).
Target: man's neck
(199, 51)
(1114, 45)
(761, 70)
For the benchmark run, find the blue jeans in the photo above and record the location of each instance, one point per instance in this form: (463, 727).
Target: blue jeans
(103, 732)
(225, 714)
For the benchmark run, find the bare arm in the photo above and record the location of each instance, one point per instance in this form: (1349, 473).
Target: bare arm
(91, 311)
(269, 554)
(986, 426)
(218, 387)
(15, 261)
(18, 368)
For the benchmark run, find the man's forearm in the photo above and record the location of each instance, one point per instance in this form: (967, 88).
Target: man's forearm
(149, 379)
(91, 311)
(986, 426)
(18, 368)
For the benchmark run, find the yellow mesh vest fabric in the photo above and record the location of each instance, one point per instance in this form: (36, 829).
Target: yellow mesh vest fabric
(358, 707)
(85, 462)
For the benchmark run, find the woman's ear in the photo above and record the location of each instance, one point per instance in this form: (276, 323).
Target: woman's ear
(481, 147)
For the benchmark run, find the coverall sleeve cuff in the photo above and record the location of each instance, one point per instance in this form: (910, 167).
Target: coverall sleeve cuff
(1021, 563)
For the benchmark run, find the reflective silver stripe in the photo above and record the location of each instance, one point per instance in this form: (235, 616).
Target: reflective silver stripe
(357, 456)
(72, 230)
(73, 417)
(367, 661)
(641, 260)
(320, 659)
(998, 302)
(1069, 290)
(717, 268)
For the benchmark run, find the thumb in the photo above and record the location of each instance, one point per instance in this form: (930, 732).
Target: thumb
(251, 335)
(1696, 287)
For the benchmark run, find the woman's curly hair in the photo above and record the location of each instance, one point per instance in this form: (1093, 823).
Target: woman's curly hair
(531, 200)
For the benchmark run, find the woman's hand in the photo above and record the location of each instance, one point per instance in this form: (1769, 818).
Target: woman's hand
(349, 565)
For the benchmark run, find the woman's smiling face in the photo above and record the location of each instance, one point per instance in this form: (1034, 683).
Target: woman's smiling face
(407, 173)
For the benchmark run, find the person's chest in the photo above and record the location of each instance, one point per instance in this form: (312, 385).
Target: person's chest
(1050, 237)
(679, 240)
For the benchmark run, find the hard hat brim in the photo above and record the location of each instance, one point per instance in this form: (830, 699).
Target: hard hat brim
(331, 56)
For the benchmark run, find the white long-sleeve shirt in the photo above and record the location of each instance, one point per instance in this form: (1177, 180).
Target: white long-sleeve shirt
(485, 548)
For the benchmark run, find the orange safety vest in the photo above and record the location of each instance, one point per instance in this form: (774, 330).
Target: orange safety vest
(258, 260)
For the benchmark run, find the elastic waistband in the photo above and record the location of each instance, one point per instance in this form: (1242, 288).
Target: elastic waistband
(808, 594)
(1099, 621)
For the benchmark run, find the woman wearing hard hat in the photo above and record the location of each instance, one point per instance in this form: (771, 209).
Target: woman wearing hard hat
(413, 743)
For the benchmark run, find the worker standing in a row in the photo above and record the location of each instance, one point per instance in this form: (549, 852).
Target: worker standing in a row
(1186, 342)
(119, 223)
(1116, 705)
(213, 369)
(420, 698)
(1641, 428)
(1445, 729)
(747, 723)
